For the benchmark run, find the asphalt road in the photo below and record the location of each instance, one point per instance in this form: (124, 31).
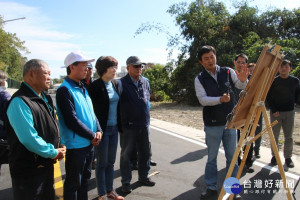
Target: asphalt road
(181, 164)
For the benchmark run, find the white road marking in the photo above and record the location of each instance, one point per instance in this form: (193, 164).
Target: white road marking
(262, 165)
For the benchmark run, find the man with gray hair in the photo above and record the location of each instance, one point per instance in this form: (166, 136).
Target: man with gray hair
(135, 117)
(33, 135)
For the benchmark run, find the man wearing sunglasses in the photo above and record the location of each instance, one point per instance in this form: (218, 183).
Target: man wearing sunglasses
(135, 117)
(88, 79)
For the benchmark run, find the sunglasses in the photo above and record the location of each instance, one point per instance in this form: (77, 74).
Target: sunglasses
(138, 66)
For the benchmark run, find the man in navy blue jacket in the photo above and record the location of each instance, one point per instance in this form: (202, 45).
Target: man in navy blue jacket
(135, 117)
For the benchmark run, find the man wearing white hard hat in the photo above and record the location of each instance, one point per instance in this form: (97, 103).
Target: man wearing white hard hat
(79, 127)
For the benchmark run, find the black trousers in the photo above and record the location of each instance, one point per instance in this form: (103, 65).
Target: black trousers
(37, 187)
(134, 156)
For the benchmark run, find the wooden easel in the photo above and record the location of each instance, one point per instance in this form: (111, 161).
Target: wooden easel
(247, 112)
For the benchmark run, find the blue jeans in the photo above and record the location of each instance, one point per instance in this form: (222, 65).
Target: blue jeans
(78, 168)
(213, 138)
(105, 154)
(39, 186)
(128, 139)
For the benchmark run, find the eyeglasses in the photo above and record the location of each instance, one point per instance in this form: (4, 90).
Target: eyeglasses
(138, 66)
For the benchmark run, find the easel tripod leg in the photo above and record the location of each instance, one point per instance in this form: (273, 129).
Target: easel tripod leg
(275, 150)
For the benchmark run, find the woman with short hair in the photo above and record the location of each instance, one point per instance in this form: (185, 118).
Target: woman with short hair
(105, 98)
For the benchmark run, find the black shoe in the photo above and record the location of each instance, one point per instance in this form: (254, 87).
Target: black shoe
(257, 155)
(249, 169)
(289, 163)
(147, 182)
(153, 163)
(126, 188)
(273, 161)
(209, 194)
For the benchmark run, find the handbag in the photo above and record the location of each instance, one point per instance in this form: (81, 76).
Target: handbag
(4, 149)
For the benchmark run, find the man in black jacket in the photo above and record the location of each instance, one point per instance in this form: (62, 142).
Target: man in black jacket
(33, 135)
(281, 99)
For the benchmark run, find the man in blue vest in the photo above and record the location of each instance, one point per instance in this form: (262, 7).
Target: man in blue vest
(135, 117)
(214, 89)
(79, 127)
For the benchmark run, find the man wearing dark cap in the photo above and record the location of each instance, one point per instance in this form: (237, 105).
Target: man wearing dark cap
(135, 118)
(88, 79)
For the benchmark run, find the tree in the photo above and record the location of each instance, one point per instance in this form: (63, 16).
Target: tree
(159, 81)
(207, 22)
(296, 72)
(11, 59)
(57, 80)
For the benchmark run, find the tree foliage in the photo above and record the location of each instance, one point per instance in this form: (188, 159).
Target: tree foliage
(11, 59)
(159, 81)
(207, 22)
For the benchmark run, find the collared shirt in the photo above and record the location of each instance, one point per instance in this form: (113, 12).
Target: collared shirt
(66, 103)
(120, 88)
(21, 120)
(212, 101)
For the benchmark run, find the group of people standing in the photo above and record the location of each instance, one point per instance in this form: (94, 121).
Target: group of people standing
(87, 120)
(89, 115)
(217, 89)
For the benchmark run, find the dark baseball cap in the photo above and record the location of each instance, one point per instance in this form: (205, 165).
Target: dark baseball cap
(134, 60)
(89, 65)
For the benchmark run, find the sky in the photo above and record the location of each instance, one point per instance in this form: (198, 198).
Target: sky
(54, 28)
